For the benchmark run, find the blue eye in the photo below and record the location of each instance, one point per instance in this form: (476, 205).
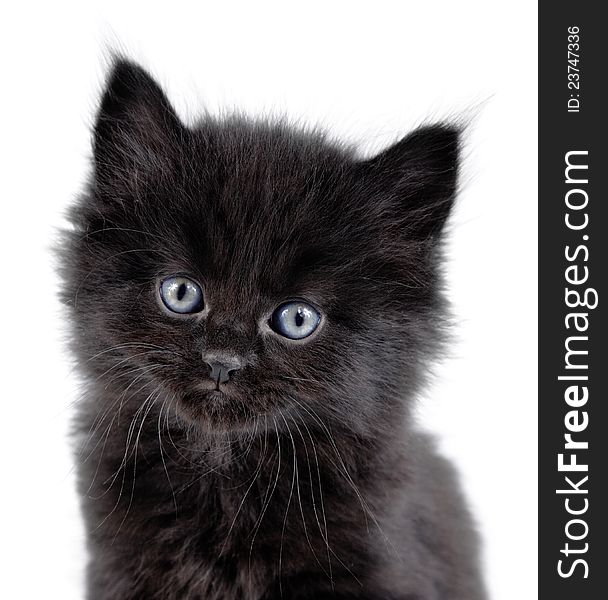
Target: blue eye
(181, 295)
(295, 320)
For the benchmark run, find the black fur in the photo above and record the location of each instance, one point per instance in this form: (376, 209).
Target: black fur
(305, 477)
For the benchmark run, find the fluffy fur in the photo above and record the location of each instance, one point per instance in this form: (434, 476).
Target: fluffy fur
(304, 477)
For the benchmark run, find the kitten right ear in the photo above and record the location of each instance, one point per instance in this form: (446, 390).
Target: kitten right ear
(135, 131)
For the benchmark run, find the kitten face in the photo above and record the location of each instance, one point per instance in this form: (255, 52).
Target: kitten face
(199, 254)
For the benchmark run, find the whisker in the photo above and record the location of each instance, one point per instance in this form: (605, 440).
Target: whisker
(312, 494)
(293, 480)
(162, 454)
(297, 476)
(269, 492)
(151, 400)
(253, 481)
(344, 470)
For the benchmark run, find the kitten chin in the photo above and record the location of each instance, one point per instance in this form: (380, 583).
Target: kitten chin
(212, 410)
(254, 308)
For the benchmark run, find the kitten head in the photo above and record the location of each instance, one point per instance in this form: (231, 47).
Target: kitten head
(249, 273)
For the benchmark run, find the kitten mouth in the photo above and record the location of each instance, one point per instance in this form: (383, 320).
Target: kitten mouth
(213, 387)
(215, 409)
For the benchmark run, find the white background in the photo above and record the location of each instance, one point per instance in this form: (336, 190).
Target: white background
(369, 72)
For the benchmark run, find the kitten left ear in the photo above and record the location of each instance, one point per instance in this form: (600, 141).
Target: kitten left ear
(135, 129)
(417, 177)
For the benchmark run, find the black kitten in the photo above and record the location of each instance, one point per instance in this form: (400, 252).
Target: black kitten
(253, 310)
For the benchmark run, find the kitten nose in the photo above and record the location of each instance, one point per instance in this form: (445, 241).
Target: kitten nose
(221, 366)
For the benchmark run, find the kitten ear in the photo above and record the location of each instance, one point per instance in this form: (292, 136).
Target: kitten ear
(418, 177)
(135, 129)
